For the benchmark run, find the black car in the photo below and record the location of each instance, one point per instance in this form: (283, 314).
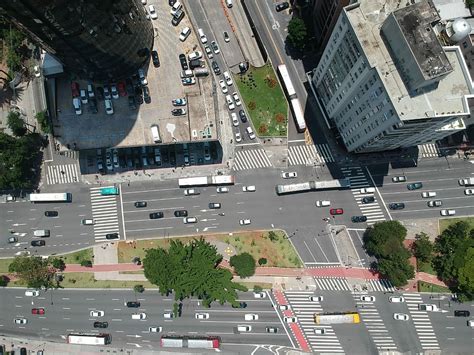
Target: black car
(171, 2)
(132, 104)
(358, 219)
(101, 324)
(243, 116)
(368, 199)
(38, 243)
(146, 95)
(196, 63)
(51, 213)
(177, 17)
(178, 111)
(214, 205)
(133, 304)
(461, 313)
(112, 236)
(181, 213)
(216, 68)
(183, 61)
(396, 206)
(93, 105)
(100, 92)
(139, 204)
(282, 6)
(155, 58)
(156, 215)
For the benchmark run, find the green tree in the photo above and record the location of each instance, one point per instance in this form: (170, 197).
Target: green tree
(397, 268)
(262, 261)
(4, 280)
(257, 288)
(16, 123)
(86, 263)
(272, 236)
(383, 239)
(422, 247)
(43, 121)
(34, 271)
(58, 264)
(297, 33)
(139, 288)
(243, 264)
(465, 284)
(191, 270)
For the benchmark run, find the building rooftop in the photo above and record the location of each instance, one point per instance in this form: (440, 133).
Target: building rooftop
(447, 97)
(451, 9)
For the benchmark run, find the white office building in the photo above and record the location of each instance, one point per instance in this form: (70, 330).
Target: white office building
(386, 81)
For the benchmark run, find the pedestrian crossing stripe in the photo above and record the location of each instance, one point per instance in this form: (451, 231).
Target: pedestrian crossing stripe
(251, 159)
(429, 150)
(309, 154)
(104, 213)
(62, 174)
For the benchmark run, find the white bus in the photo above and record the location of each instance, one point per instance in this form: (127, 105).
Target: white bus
(293, 98)
(207, 180)
(51, 197)
(89, 339)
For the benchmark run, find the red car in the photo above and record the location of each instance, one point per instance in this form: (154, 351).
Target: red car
(121, 88)
(75, 89)
(37, 311)
(334, 211)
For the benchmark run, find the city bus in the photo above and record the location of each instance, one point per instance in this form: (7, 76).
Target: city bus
(206, 180)
(195, 342)
(293, 98)
(110, 190)
(313, 186)
(337, 318)
(51, 197)
(89, 338)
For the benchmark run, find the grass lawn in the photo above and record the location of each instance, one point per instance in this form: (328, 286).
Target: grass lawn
(446, 222)
(279, 252)
(250, 285)
(4, 265)
(427, 287)
(77, 256)
(426, 267)
(264, 100)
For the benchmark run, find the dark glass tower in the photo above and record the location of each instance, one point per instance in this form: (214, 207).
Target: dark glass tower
(95, 39)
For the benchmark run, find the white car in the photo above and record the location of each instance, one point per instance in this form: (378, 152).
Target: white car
(152, 11)
(250, 132)
(251, 316)
(401, 178)
(290, 319)
(259, 295)
(250, 188)
(230, 102)
(367, 298)
(189, 192)
(235, 120)
(175, 8)
(21, 320)
(155, 329)
(76, 103)
(195, 55)
(244, 328)
(84, 98)
(215, 47)
(428, 194)
(227, 78)
(223, 86)
(143, 2)
(141, 75)
(188, 81)
(188, 220)
(32, 293)
(114, 91)
(236, 99)
(244, 222)
(10, 198)
(316, 298)
(185, 32)
(323, 203)
(222, 189)
(289, 175)
(139, 316)
(201, 315)
(469, 192)
(109, 107)
(396, 299)
(208, 52)
(96, 313)
(284, 307)
(238, 137)
(447, 212)
(401, 316)
(367, 190)
(202, 36)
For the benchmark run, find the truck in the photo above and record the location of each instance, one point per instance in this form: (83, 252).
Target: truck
(428, 307)
(194, 342)
(313, 185)
(466, 181)
(206, 180)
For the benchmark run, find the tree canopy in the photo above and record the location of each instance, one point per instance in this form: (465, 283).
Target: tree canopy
(34, 271)
(243, 264)
(422, 247)
(297, 33)
(16, 123)
(454, 262)
(385, 241)
(191, 270)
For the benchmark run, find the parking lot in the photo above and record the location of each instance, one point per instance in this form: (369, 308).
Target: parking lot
(128, 127)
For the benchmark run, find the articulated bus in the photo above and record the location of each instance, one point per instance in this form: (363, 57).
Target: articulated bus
(51, 197)
(89, 339)
(292, 98)
(336, 318)
(194, 342)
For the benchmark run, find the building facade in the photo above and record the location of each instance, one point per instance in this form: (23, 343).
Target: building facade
(386, 82)
(96, 40)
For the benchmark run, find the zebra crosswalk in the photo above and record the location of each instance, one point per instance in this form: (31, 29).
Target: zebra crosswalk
(422, 322)
(373, 211)
(309, 154)
(429, 150)
(374, 323)
(304, 310)
(62, 174)
(251, 159)
(104, 213)
(341, 284)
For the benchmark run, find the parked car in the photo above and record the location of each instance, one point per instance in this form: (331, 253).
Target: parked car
(177, 17)
(179, 102)
(178, 111)
(238, 137)
(109, 108)
(188, 81)
(152, 11)
(228, 79)
(84, 97)
(250, 132)
(146, 95)
(185, 32)
(142, 77)
(216, 68)
(195, 55)
(223, 86)
(183, 61)
(122, 88)
(114, 91)
(208, 51)
(243, 116)
(215, 47)
(236, 99)
(76, 103)
(75, 89)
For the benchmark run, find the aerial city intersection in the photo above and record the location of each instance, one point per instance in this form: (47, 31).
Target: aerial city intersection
(236, 176)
